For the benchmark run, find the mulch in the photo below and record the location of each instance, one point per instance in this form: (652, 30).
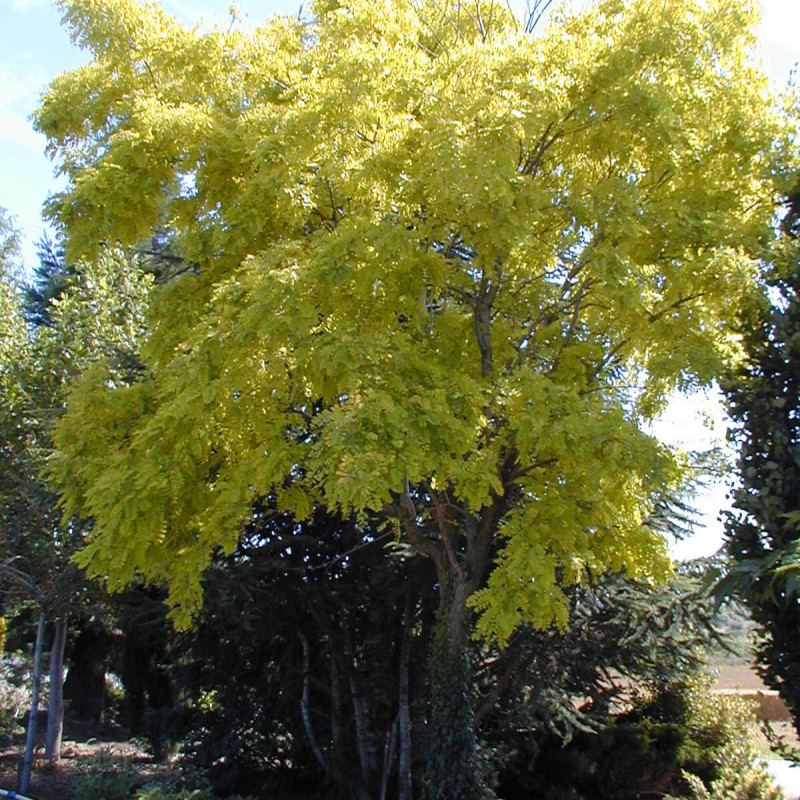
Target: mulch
(51, 781)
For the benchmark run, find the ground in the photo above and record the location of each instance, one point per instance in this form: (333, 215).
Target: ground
(81, 743)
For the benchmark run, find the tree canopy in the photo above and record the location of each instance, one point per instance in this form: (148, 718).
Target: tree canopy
(436, 268)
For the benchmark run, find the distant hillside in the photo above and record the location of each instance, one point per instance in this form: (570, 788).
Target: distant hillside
(738, 636)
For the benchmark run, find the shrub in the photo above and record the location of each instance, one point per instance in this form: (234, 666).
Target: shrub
(719, 759)
(105, 777)
(160, 792)
(739, 777)
(14, 694)
(684, 741)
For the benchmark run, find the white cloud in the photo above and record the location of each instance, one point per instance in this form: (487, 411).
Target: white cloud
(15, 128)
(777, 34)
(20, 86)
(780, 21)
(27, 5)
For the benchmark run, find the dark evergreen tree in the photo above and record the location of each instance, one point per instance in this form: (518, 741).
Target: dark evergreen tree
(52, 276)
(762, 532)
(308, 660)
(295, 675)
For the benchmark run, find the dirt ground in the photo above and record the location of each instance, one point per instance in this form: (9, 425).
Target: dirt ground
(80, 743)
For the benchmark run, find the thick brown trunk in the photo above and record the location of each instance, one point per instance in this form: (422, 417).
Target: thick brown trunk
(55, 707)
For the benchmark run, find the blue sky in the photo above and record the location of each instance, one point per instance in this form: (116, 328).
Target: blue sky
(34, 49)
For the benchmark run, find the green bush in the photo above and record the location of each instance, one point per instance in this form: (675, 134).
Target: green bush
(105, 777)
(684, 741)
(164, 793)
(719, 760)
(739, 777)
(159, 792)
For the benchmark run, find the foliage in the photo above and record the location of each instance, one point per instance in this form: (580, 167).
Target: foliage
(13, 351)
(105, 775)
(97, 317)
(512, 231)
(435, 270)
(241, 683)
(14, 694)
(158, 792)
(9, 243)
(762, 532)
(451, 763)
(110, 776)
(623, 635)
(51, 280)
(680, 731)
(740, 777)
(738, 637)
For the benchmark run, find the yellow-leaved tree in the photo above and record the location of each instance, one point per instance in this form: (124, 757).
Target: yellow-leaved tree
(437, 268)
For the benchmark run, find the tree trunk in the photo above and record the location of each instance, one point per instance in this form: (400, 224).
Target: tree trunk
(405, 791)
(30, 739)
(360, 717)
(329, 768)
(388, 758)
(452, 768)
(336, 709)
(305, 704)
(85, 686)
(461, 553)
(55, 708)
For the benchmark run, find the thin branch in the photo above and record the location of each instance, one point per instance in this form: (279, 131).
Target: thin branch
(407, 514)
(535, 14)
(682, 301)
(352, 550)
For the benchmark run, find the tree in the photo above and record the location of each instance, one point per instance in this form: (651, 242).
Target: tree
(51, 279)
(763, 398)
(14, 350)
(93, 315)
(442, 270)
(13, 345)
